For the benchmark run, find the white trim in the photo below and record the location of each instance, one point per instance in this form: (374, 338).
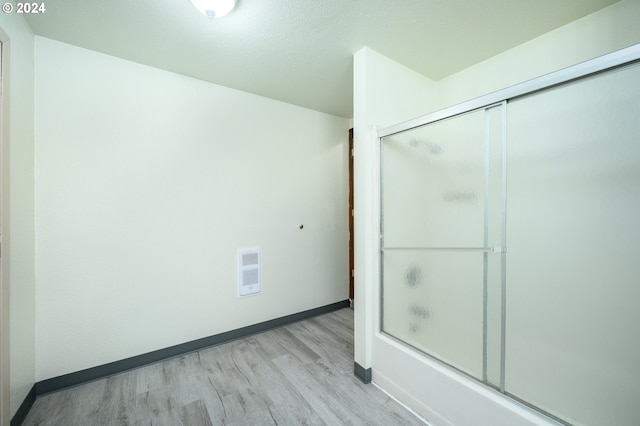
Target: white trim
(527, 415)
(406, 407)
(5, 323)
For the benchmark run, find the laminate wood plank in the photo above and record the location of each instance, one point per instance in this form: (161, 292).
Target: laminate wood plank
(360, 398)
(292, 345)
(299, 374)
(151, 377)
(118, 390)
(55, 408)
(344, 316)
(341, 327)
(196, 414)
(252, 370)
(352, 399)
(270, 344)
(155, 407)
(281, 402)
(322, 402)
(284, 402)
(330, 347)
(225, 384)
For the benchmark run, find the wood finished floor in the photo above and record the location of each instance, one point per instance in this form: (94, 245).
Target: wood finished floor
(300, 374)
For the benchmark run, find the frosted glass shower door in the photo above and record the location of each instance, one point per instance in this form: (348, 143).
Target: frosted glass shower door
(441, 224)
(573, 238)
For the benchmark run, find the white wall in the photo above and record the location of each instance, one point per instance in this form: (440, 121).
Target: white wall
(18, 91)
(385, 93)
(427, 387)
(148, 182)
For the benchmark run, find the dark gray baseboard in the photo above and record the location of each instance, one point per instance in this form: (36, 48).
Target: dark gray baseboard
(95, 373)
(362, 373)
(24, 408)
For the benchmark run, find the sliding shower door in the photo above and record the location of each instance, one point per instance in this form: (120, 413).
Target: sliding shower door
(510, 244)
(442, 192)
(573, 234)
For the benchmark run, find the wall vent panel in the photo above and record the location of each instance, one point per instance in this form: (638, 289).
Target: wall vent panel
(248, 271)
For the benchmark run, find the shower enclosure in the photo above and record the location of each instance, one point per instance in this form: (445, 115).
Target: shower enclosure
(510, 240)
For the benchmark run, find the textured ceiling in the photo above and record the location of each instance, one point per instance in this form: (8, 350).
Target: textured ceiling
(300, 51)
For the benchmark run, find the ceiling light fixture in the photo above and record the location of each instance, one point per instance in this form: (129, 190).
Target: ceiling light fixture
(214, 8)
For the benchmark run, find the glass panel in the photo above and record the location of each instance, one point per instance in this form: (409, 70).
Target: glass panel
(573, 338)
(432, 300)
(434, 183)
(442, 189)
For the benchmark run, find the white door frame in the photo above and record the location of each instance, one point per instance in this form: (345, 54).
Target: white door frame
(5, 376)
